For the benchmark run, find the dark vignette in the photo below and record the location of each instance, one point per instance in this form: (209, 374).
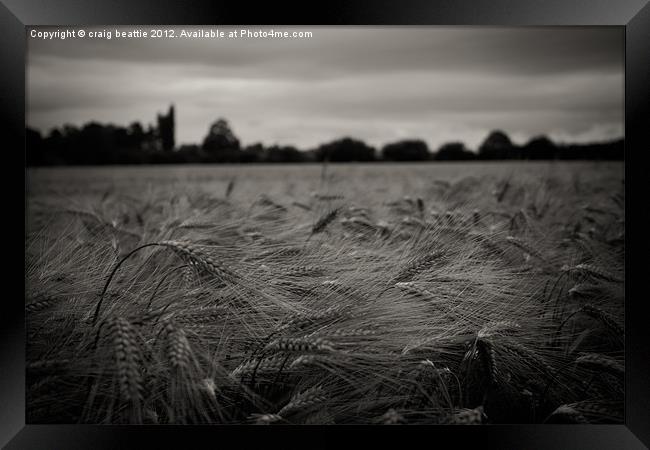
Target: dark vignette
(12, 328)
(501, 12)
(637, 106)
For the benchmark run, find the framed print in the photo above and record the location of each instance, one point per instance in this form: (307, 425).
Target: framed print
(328, 221)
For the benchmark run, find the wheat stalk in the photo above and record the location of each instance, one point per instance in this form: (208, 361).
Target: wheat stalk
(523, 352)
(310, 360)
(45, 302)
(324, 221)
(599, 314)
(392, 417)
(47, 364)
(487, 354)
(127, 358)
(598, 410)
(196, 256)
(567, 413)
(179, 351)
(300, 345)
(266, 419)
(469, 416)
(601, 362)
(259, 365)
(303, 400)
(501, 326)
(524, 246)
(299, 320)
(417, 266)
(592, 271)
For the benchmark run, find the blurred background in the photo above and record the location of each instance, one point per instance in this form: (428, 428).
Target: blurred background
(343, 94)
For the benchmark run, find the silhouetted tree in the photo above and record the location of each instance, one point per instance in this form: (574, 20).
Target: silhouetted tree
(221, 144)
(345, 149)
(55, 148)
(149, 139)
(496, 146)
(253, 153)
(612, 150)
(406, 150)
(166, 124)
(133, 149)
(136, 131)
(539, 147)
(189, 153)
(453, 151)
(34, 148)
(96, 143)
(277, 153)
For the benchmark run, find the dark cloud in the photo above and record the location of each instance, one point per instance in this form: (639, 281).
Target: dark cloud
(379, 84)
(362, 49)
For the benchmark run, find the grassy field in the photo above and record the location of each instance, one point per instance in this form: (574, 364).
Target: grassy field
(344, 294)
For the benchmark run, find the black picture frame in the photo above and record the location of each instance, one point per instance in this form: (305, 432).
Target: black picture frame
(633, 15)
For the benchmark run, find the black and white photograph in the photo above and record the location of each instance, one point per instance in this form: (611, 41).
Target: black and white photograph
(325, 225)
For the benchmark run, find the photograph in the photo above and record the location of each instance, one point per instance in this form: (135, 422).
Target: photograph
(325, 225)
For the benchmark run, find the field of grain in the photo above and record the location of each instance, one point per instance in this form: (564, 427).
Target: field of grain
(455, 293)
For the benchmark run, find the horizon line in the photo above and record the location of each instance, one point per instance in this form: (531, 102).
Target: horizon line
(44, 134)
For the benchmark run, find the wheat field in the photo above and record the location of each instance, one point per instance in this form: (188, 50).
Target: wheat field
(456, 293)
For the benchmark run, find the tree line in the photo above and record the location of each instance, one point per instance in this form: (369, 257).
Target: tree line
(98, 144)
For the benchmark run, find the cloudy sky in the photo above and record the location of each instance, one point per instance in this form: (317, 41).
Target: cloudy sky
(378, 84)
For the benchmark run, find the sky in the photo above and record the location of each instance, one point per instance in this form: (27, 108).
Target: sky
(439, 84)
